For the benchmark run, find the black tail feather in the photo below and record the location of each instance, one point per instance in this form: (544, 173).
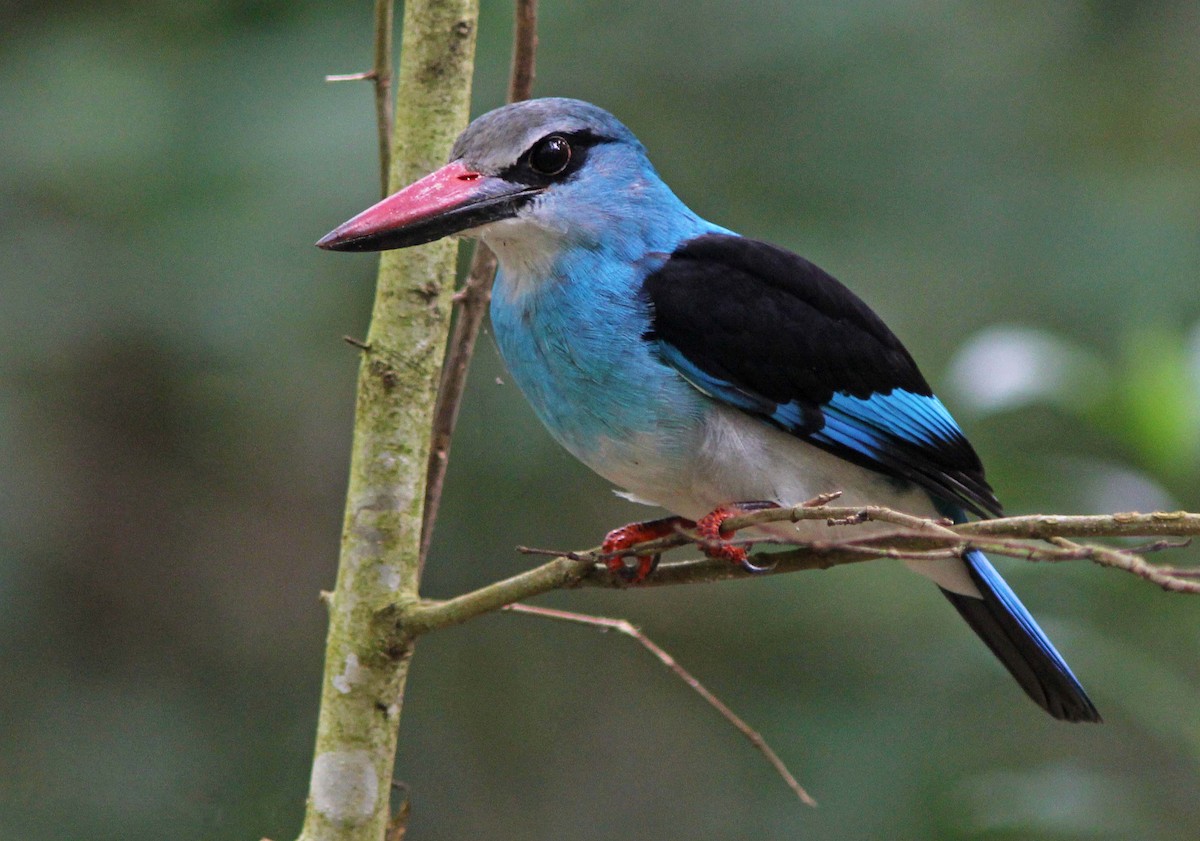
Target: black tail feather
(1014, 637)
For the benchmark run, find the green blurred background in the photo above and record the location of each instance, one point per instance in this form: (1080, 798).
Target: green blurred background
(175, 412)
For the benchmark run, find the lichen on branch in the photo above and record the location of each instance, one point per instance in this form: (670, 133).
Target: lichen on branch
(362, 689)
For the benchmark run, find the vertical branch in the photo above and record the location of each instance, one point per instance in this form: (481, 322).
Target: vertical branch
(363, 684)
(520, 79)
(382, 74)
(474, 297)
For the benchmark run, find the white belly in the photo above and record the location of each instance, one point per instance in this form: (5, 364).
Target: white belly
(738, 458)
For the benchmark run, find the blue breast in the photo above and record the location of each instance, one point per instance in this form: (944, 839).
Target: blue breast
(572, 342)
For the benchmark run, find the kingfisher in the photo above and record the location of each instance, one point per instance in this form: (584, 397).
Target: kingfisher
(699, 370)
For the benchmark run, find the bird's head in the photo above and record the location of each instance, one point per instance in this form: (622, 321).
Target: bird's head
(535, 171)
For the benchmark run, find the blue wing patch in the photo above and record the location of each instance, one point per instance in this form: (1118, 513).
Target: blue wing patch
(919, 419)
(901, 433)
(843, 432)
(868, 425)
(908, 435)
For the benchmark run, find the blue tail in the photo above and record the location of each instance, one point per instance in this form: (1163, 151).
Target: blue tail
(1014, 637)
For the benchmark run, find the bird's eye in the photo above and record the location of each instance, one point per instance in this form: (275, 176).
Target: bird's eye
(551, 155)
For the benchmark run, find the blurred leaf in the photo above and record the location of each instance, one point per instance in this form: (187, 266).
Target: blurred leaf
(1051, 803)
(1009, 366)
(1159, 402)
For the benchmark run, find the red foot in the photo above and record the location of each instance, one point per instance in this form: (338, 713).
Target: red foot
(717, 545)
(618, 540)
(709, 527)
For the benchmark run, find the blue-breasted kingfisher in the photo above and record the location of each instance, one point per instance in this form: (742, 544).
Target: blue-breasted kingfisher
(699, 370)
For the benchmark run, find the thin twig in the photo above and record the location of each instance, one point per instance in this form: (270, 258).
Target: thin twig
(350, 77)
(1128, 561)
(397, 826)
(625, 627)
(1158, 546)
(1122, 524)
(1180, 572)
(914, 539)
(520, 79)
(382, 75)
(473, 298)
(551, 553)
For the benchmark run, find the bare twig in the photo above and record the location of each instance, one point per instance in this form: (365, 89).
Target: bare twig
(381, 74)
(625, 627)
(350, 77)
(1030, 538)
(1123, 524)
(1130, 562)
(473, 297)
(397, 826)
(1180, 572)
(1017, 537)
(520, 80)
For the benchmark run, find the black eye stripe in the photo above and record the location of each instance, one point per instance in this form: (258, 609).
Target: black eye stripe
(541, 164)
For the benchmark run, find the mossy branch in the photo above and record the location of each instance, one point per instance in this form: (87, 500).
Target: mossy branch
(362, 690)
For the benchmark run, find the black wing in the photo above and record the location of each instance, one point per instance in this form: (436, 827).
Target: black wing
(767, 331)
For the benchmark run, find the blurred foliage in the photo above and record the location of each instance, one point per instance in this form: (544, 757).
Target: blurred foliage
(175, 407)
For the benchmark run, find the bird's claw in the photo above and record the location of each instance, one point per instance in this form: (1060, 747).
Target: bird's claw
(715, 539)
(618, 540)
(713, 542)
(749, 566)
(637, 571)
